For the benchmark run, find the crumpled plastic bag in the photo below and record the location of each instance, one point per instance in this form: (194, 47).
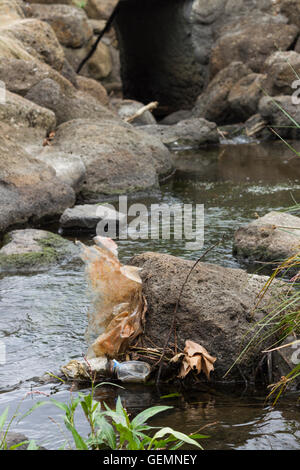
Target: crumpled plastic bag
(118, 305)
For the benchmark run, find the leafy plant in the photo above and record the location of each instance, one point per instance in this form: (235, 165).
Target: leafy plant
(113, 429)
(4, 429)
(80, 3)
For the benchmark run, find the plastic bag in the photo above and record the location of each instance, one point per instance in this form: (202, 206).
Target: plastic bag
(118, 305)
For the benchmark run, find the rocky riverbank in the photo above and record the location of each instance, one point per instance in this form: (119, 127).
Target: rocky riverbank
(68, 131)
(68, 140)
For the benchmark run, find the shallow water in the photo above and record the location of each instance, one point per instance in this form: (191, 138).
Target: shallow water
(43, 316)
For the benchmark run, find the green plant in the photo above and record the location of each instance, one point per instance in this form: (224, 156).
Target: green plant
(80, 3)
(113, 429)
(4, 429)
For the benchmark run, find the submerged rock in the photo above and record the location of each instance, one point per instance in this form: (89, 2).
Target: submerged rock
(192, 133)
(273, 237)
(216, 309)
(34, 250)
(87, 216)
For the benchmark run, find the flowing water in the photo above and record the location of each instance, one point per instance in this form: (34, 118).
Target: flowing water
(43, 315)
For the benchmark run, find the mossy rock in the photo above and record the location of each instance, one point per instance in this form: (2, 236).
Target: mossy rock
(34, 250)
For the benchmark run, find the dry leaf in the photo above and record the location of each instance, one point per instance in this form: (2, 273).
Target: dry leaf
(196, 358)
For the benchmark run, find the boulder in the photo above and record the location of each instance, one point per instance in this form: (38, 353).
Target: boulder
(251, 44)
(117, 157)
(14, 439)
(192, 133)
(69, 23)
(68, 168)
(100, 9)
(291, 9)
(99, 66)
(26, 122)
(271, 238)
(74, 104)
(11, 48)
(282, 114)
(38, 39)
(213, 104)
(216, 309)
(10, 11)
(34, 250)
(94, 88)
(127, 108)
(244, 96)
(29, 189)
(174, 118)
(20, 75)
(87, 216)
(282, 69)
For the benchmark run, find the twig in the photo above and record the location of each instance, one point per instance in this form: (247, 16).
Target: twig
(141, 111)
(173, 325)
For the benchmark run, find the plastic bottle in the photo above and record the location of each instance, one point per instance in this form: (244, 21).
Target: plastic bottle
(131, 371)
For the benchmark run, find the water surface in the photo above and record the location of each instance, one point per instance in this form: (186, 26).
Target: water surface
(43, 315)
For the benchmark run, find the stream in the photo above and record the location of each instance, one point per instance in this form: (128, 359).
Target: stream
(43, 315)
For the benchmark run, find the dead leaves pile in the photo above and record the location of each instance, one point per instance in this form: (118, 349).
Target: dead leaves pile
(195, 358)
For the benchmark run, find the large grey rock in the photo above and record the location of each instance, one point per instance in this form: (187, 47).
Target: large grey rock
(290, 8)
(29, 189)
(70, 24)
(68, 168)
(271, 238)
(25, 122)
(216, 309)
(38, 39)
(251, 44)
(34, 250)
(87, 216)
(21, 75)
(282, 69)
(117, 157)
(244, 96)
(282, 114)
(74, 104)
(94, 88)
(213, 103)
(192, 133)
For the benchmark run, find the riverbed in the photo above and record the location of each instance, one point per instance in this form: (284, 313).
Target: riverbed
(43, 315)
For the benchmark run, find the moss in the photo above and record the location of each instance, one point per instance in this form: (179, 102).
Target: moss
(53, 250)
(20, 261)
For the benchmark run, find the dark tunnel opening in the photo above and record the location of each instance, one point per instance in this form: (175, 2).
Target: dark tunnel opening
(157, 55)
